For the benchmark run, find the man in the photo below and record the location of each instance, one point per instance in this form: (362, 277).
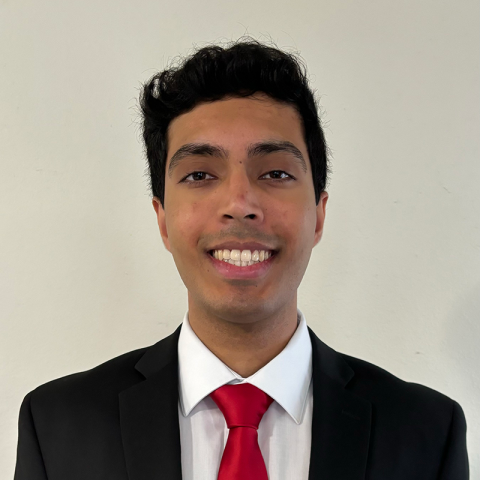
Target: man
(243, 389)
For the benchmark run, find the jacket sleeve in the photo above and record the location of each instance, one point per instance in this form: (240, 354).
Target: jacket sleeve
(455, 457)
(30, 465)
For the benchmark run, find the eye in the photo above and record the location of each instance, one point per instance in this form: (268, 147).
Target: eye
(278, 175)
(196, 177)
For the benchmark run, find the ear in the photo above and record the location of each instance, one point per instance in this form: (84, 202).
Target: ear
(321, 210)
(162, 225)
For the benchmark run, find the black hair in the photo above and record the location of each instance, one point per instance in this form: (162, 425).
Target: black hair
(239, 70)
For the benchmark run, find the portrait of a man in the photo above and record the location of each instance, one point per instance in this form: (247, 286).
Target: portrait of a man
(243, 388)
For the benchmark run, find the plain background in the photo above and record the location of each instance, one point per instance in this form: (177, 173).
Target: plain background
(84, 276)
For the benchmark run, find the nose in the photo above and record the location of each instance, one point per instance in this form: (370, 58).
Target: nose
(242, 202)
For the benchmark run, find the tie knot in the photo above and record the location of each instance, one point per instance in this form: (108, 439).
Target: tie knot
(242, 405)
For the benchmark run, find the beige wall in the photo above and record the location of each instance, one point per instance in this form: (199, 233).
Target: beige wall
(83, 274)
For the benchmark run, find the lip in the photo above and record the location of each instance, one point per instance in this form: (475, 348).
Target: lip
(227, 270)
(252, 246)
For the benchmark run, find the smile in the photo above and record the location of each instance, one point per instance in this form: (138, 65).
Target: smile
(242, 258)
(238, 267)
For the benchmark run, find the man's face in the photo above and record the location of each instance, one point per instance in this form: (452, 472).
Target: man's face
(238, 177)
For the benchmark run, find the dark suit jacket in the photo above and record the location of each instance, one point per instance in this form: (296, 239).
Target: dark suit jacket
(119, 421)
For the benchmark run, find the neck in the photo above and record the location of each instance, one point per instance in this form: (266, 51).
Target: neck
(248, 344)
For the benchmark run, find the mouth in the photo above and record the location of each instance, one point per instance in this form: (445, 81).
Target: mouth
(244, 265)
(242, 258)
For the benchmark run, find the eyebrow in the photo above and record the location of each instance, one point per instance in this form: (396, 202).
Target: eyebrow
(253, 150)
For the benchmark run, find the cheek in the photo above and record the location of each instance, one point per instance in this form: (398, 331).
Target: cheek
(296, 221)
(184, 226)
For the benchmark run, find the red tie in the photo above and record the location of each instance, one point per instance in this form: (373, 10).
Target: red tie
(243, 406)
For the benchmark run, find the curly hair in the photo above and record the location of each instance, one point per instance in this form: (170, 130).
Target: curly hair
(213, 73)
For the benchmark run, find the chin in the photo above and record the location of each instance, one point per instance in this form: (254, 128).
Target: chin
(244, 312)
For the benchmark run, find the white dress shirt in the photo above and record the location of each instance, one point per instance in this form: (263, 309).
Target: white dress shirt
(284, 434)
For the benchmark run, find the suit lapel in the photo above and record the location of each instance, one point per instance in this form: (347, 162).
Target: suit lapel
(149, 415)
(341, 420)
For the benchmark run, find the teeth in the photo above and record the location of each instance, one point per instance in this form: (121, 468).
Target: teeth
(242, 258)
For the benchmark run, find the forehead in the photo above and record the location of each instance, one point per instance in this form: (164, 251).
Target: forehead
(237, 121)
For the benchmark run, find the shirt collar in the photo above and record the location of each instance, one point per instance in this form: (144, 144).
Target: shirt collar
(286, 378)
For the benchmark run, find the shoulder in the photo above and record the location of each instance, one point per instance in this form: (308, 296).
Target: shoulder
(410, 422)
(96, 390)
(98, 386)
(401, 405)
(373, 381)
